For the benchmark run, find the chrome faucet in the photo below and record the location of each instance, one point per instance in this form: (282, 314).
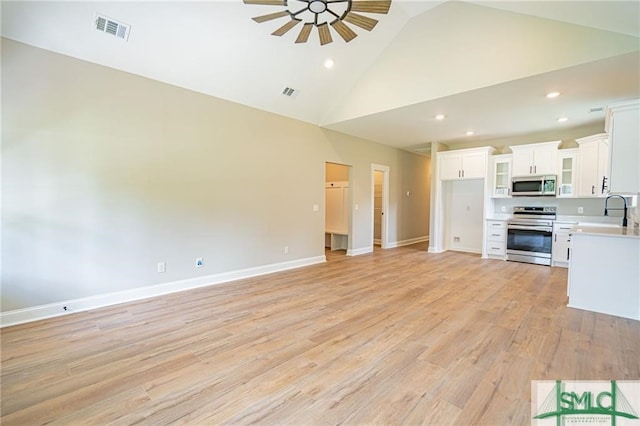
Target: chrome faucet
(606, 208)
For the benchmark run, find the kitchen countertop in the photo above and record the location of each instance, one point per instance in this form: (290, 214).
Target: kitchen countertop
(590, 219)
(499, 216)
(606, 231)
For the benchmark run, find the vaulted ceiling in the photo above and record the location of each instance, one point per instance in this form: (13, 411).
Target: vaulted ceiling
(485, 65)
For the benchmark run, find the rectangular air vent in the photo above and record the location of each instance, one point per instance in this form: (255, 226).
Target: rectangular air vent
(111, 26)
(290, 92)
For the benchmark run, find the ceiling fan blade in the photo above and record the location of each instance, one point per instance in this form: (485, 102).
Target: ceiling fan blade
(267, 2)
(286, 27)
(362, 21)
(371, 6)
(345, 32)
(304, 33)
(325, 35)
(265, 18)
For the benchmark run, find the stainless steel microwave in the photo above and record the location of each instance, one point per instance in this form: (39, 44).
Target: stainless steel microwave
(533, 186)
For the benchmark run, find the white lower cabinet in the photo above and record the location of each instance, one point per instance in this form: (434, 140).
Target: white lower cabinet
(496, 239)
(560, 251)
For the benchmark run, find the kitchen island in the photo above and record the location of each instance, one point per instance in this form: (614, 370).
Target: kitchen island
(604, 270)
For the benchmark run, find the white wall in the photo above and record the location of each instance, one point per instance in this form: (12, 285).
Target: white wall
(104, 174)
(463, 201)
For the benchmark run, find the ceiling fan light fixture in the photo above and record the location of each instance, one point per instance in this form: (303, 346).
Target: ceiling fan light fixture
(317, 6)
(323, 14)
(329, 63)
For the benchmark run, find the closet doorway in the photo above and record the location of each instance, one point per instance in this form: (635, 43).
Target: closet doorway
(337, 198)
(379, 204)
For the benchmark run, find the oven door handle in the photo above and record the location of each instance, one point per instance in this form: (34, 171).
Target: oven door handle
(529, 228)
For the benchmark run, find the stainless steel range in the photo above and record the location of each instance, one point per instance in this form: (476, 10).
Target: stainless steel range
(529, 235)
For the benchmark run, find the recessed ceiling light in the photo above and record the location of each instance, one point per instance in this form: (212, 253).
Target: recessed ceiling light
(329, 63)
(440, 117)
(562, 119)
(552, 95)
(470, 133)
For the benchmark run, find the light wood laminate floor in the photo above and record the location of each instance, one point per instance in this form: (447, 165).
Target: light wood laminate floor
(399, 336)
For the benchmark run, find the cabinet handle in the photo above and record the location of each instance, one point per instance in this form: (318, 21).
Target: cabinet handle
(593, 189)
(535, 169)
(555, 238)
(568, 249)
(530, 172)
(459, 173)
(604, 184)
(463, 173)
(495, 248)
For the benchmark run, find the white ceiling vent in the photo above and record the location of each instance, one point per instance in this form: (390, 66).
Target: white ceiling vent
(290, 92)
(111, 26)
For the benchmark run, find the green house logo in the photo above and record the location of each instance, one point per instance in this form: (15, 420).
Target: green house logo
(585, 402)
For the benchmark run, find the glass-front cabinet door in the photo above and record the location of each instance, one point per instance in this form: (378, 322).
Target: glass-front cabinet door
(567, 185)
(501, 175)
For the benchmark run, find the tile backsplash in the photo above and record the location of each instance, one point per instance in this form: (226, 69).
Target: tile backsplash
(567, 206)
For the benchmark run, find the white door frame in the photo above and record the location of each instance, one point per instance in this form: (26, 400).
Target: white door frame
(385, 203)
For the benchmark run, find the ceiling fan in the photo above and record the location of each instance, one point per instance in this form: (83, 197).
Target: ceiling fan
(323, 14)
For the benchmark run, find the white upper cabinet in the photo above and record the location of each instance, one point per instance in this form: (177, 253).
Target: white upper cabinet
(535, 159)
(622, 124)
(501, 175)
(593, 168)
(567, 172)
(464, 163)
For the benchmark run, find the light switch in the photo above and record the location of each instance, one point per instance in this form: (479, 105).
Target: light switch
(316, 207)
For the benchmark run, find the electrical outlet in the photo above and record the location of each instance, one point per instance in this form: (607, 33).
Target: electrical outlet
(286, 249)
(504, 209)
(580, 210)
(199, 262)
(162, 267)
(456, 239)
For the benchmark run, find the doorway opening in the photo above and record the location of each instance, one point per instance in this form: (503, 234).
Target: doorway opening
(379, 205)
(337, 199)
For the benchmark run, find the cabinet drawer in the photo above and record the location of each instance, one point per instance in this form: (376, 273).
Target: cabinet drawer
(497, 225)
(496, 234)
(496, 248)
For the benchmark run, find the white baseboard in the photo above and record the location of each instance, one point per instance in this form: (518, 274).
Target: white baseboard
(408, 242)
(467, 250)
(35, 313)
(435, 250)
(365, 250)
(357, 252)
